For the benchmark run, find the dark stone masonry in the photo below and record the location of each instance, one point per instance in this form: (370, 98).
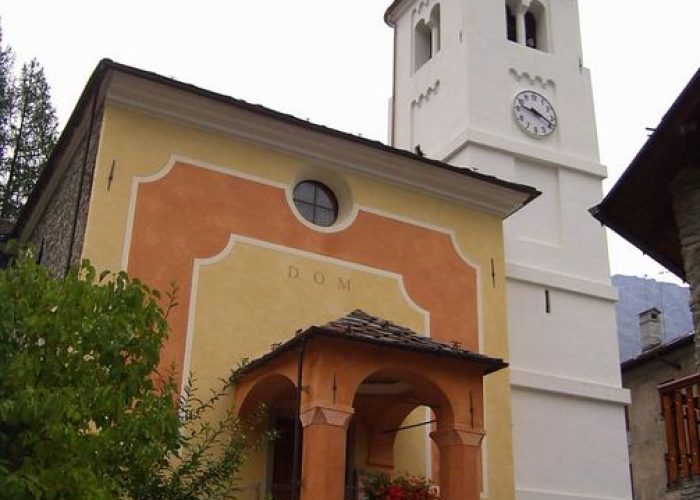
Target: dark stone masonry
(68, 207)
(686, 205)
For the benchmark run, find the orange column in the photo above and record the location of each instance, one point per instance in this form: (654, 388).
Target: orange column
(323, 457)
(459, 463)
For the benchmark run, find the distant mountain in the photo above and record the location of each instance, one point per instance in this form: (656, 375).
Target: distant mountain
(639, 294)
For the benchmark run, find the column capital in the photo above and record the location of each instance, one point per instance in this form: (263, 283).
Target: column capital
(321, 415)
(460, 455)
(458, 437)
(323, 454)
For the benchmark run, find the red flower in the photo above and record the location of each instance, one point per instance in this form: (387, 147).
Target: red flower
(396, 493)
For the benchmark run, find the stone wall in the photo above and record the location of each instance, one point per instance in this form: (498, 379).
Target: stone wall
(646, 432)
(685, 189)
(54, 236)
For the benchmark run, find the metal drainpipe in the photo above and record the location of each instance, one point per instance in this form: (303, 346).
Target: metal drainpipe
(392, 137)
(296, 469)
(82, 182)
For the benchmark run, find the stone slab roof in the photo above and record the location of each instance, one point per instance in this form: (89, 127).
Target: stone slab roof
(657, 352)
(358, 326)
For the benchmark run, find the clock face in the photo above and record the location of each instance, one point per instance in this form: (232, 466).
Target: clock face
(534, 113)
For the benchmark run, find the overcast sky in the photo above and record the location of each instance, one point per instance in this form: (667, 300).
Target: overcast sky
(330, 61)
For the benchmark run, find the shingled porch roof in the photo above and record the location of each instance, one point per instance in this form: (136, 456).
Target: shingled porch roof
(358, 326)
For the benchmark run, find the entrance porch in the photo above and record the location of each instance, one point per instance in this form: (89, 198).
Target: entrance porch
(341, 393)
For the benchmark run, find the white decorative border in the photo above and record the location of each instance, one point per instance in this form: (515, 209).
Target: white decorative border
(573, 284)
(574, 388)
(199, 263)
(347, 209)
(161, 174)
(460, 253)
(168, 166)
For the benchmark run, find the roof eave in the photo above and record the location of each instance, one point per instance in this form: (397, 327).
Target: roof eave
(486, 363)
(488, 193)
(656, 352)
(389, 13)
(639, 241)
(65, 140)
(143, 90)
(652, 157)
(661, 134)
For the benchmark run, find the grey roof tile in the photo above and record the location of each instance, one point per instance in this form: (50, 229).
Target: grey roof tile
(358, 326)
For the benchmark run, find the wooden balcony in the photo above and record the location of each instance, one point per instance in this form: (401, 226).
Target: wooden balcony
(681, 412)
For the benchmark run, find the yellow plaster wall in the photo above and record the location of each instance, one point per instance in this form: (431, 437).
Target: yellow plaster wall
(277, 291)
(258, 295)
(412, 445)
(141, 145)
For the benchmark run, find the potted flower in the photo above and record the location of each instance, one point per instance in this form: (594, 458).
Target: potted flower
(379, 486)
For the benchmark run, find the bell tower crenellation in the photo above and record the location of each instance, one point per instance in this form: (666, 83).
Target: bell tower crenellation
(465, 89)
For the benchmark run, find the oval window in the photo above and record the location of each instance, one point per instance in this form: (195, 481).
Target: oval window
(316, 203)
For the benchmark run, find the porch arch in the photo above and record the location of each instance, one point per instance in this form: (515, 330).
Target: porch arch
(382, 403)
(272, 390)
(341, 363)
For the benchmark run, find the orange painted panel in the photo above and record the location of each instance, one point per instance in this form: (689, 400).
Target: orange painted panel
(191, 213)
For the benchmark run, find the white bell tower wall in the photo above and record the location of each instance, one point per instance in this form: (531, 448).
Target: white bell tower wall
(456, 105)
(466, 88)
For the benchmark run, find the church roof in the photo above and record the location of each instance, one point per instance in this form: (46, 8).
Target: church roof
(358, 326)
(103, 76)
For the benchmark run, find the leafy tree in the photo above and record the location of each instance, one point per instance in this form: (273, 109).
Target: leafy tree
(209, 454)
(83, 412)
(28, 130)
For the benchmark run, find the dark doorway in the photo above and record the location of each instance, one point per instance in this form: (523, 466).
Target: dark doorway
(352, 490)
(282, 460)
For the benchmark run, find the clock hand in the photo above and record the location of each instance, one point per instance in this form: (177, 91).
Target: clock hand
(535, 112)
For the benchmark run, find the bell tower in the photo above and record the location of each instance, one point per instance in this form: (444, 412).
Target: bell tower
(499, 86)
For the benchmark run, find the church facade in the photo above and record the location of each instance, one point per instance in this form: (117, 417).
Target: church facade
(268, 225)
(381, 291)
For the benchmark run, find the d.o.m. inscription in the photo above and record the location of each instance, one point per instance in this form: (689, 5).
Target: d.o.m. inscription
(319, 278)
